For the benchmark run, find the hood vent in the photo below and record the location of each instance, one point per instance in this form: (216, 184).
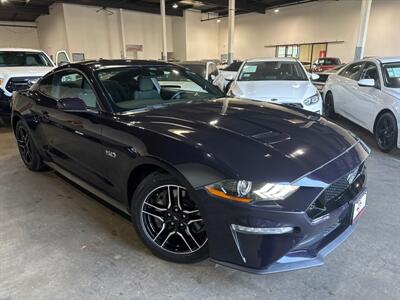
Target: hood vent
(271, 137)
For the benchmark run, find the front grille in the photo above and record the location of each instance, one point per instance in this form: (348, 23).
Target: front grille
(338, 193)
(20, 83)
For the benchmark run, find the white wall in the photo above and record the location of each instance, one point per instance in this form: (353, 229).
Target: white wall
(384, 28)
(201, 37)
(18, 37)
(52, 31)
(306, 23)
(97, 33)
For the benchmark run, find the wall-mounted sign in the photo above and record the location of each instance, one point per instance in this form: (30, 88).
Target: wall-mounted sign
(133, 47)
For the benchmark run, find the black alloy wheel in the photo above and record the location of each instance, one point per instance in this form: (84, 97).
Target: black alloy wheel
(29, 154)
(168, 221)
(386, 132)
(329, 109)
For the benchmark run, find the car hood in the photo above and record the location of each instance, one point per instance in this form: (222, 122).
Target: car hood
(24, 71)
(281, 91)
(256, 140)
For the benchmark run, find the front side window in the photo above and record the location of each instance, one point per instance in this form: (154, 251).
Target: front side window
(352, 71)
(370, 71)
(272, 70)
(132, 88)
(23, 59)
(391, 74)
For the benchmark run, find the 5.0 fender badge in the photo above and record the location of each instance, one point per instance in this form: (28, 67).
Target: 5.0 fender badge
(111, 154)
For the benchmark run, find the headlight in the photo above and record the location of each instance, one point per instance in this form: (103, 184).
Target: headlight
(312, 100)
(1, 80)
(247, 191)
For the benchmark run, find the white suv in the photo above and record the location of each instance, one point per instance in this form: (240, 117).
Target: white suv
(19, 69)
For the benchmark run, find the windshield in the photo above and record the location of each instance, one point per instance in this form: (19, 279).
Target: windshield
(391, 74)
(197, 68)
(23, 59)
(272, 70)
(139, 87)
(328, 61)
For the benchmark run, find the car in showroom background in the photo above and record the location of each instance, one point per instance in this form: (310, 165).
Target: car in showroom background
(19, 69)
(367, 92)
(256, 186)
(279, 80)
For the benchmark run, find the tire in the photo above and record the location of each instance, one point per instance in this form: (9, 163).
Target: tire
(386, 132)
(329, 107)
(27, 149)
(172, 229)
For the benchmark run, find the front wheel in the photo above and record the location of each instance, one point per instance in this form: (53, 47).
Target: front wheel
(386, 132)
(329, 109)
(168, 220)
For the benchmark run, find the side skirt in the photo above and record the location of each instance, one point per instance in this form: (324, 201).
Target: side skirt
(88, 187)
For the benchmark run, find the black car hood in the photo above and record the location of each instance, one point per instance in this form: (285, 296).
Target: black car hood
(257, 140)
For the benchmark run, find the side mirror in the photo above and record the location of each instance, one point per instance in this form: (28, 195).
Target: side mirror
(72, 105)
(230, 77)
(366, 82)
(314, 76)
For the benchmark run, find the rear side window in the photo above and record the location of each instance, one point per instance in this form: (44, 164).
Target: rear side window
(352, 71)
(69, 84)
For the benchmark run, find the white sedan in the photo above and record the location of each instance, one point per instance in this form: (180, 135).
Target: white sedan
(367, 92)
(279, 80)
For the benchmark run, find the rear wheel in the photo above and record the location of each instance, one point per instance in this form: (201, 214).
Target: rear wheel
(168, 220)
(386, 132)
(329, 108)
(27, 149)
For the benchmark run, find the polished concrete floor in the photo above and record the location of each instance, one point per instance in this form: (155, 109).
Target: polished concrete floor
(57, 242)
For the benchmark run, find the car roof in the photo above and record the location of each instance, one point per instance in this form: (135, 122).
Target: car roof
(194, 62)
(105, 63)
(20, 50)
(388, 59)
(272, 59)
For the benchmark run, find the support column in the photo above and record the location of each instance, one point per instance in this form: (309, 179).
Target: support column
(363, 29)
(122, 33)
(231, 30)
(164, 31)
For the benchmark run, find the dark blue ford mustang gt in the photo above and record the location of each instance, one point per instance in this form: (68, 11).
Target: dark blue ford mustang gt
(256, 186)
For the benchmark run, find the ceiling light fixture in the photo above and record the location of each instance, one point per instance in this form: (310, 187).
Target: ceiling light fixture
(276, 10)
(218, 20)
(174, 5)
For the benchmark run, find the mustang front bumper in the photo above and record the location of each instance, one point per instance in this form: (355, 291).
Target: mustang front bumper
(311, 238)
